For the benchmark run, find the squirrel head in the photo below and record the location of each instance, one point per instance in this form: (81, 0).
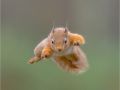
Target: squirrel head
(59, 39)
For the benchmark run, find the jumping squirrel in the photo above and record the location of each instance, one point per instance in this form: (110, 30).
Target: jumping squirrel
(64, 48)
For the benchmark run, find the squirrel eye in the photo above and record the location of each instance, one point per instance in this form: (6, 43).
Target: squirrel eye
(53, 41)
(65, 40)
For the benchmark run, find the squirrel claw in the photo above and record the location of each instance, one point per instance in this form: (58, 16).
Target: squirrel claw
(76, 43)
(45, 55)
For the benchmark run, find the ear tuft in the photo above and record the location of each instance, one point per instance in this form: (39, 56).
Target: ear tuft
(53, 30)
(66, 29)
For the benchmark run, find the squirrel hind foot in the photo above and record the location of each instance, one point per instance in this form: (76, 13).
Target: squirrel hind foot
(72, 66)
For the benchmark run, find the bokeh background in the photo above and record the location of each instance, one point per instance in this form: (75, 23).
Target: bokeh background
(26, 22)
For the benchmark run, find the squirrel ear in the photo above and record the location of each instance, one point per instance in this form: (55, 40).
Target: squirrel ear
(53, 29)
(66, 30)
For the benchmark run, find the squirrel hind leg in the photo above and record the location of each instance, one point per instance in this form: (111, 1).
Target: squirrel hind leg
(68, 65)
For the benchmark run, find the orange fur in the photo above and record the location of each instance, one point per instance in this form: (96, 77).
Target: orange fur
(46, 52)
(71, 63)
(66, 62)
(76, 39)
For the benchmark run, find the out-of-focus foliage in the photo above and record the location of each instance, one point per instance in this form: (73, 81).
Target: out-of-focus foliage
(26, 22)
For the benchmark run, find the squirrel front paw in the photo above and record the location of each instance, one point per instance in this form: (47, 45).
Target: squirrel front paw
(77, 40)
(46, 53)
(76, 43)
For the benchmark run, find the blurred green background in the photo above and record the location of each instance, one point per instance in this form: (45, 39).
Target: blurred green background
(26, 22)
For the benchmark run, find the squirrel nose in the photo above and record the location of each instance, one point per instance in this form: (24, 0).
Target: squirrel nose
(59, 49)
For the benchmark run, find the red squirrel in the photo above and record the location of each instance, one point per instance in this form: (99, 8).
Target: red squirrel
(64, 48)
